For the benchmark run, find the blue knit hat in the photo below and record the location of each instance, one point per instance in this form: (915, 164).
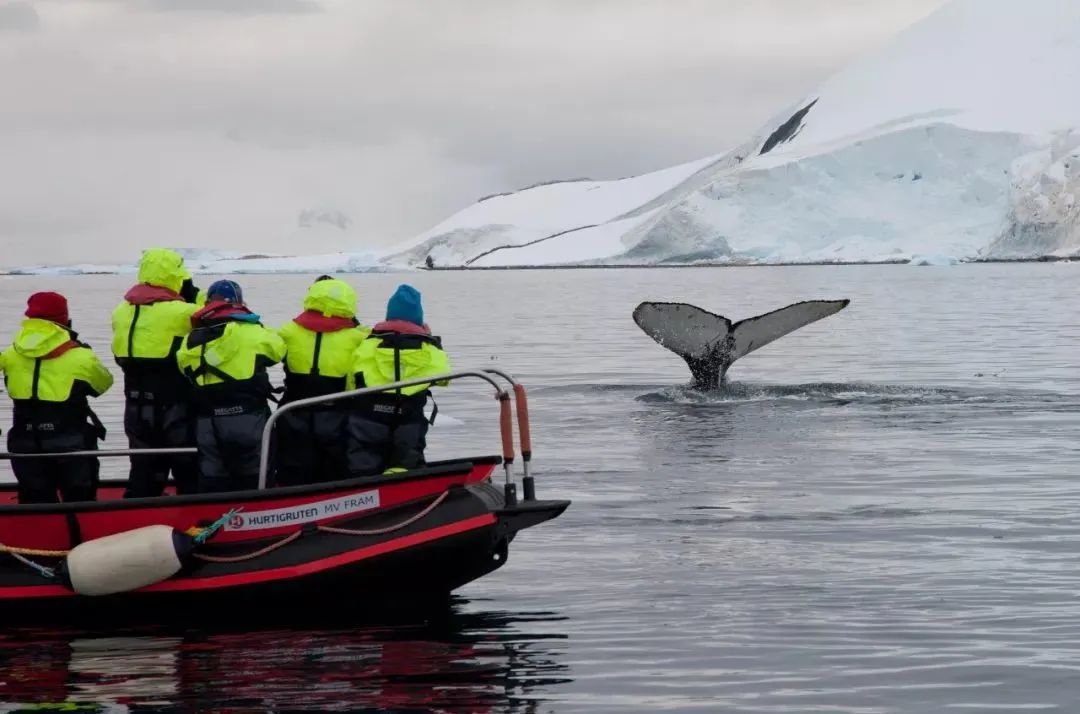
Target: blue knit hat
(404, 304)
(225, 290)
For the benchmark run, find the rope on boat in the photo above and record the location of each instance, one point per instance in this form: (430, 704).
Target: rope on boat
(248, 556)
(42, 570)
(20, 554)
(325, 529)
(201, 535)
(16, 551)
(389, 529)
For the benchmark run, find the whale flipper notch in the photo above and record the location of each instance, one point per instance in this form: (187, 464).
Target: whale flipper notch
(710, 343)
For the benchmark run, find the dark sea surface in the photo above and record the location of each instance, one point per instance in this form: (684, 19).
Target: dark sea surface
(880, 514)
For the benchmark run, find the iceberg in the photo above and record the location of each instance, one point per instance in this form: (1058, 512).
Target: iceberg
(935, 260)
(961, 138)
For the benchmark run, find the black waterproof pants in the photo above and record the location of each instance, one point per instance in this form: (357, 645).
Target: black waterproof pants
(311, 446)
(153, 425)
(229, 449)
(76, 478)
(382, 437)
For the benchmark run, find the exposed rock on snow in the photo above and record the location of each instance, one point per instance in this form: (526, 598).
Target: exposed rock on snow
(1045, 200)
(935, 260)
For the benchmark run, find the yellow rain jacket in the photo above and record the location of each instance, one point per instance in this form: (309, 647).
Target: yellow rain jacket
(164, 268)
(153, 319)
(227, 356)
(49, 375)
(320, 341)
(149, 327)
(387, 357)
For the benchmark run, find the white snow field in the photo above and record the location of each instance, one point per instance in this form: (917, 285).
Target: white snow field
(959, 140)
(218, 262)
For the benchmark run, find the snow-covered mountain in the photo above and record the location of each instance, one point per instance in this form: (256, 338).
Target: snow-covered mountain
(960, 138)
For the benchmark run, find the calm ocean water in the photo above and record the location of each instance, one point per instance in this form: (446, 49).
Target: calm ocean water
(878, 515)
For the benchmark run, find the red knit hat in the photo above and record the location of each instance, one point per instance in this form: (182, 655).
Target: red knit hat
(48, 306)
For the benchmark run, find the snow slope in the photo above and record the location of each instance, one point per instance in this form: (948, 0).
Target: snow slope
(537, 213)
(955, 140)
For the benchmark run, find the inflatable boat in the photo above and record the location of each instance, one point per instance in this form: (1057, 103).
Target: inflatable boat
(392, 540)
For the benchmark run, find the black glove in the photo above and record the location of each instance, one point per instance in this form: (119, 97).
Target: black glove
(188, 291)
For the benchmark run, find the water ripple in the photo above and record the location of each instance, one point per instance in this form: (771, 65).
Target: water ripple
(877, 515)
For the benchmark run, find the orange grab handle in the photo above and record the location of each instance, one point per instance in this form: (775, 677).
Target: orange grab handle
(506, 426)
(523, 421)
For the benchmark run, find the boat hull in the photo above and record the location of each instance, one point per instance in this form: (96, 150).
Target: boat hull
(404, 541)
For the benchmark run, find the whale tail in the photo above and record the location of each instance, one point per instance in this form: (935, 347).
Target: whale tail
(711, 343)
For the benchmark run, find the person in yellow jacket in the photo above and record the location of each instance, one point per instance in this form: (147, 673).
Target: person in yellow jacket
(319, 343)
(226, 357)
(148, 329)
(388, 432)
(50, 375)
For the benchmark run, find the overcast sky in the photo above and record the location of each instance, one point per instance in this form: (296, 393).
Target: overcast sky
(128, 123)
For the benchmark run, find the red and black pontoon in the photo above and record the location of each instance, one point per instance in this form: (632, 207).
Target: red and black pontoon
(414, 536)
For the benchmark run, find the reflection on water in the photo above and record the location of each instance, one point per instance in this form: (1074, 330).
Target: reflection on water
(111, 669)
(453, 662)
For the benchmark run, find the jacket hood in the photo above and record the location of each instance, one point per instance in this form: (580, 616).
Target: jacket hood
(143, 294)
(163, 268)
(41, 338)
(331, 298)
(219, 312)
(403, 327)
(317, 322)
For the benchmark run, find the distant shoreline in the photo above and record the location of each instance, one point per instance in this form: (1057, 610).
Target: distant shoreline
(604, 266)
(451, 268)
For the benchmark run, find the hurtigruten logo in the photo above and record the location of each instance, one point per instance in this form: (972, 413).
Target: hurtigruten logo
(303, 513)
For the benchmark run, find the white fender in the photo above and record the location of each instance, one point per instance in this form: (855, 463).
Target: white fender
(123, 561)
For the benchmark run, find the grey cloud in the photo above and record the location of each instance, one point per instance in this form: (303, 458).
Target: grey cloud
(18, 17)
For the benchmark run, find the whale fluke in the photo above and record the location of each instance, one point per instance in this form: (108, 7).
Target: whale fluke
(711, 343)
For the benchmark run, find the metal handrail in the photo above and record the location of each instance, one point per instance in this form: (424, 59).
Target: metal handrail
(524, 432)
(264, 458)
(505, 375)
(9, 455)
